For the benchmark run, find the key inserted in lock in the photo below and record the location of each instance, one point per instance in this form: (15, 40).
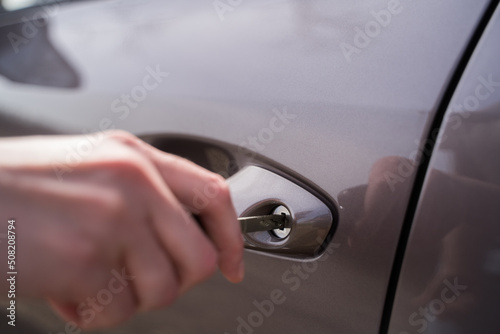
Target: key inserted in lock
(263, 223)
(257, 191)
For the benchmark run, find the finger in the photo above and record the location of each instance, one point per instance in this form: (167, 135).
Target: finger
(156, 283)
(108, 305)
(208, 195)
(193, 255)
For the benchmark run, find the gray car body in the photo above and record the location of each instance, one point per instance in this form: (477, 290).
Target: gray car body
(360, 110)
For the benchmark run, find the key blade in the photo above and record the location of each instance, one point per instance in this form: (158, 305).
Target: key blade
(262, 223)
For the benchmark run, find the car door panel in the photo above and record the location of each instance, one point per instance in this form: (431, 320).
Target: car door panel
(449, 277)
(305, 85)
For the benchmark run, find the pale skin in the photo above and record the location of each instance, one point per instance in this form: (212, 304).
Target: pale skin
(124, 206)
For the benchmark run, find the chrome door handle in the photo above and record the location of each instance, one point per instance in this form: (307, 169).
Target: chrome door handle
(257, 191)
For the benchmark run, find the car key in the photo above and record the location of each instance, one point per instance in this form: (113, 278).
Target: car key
(258, 223)
(262, 223)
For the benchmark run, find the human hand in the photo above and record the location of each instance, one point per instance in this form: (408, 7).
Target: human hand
(123, 210)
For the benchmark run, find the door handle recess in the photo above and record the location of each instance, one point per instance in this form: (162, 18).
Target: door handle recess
(311, 216)
(257, 191)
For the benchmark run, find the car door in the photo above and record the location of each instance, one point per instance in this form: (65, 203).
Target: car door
(451, 268)
(332, 101)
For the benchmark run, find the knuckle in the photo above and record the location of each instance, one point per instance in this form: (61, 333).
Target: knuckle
(218, 190)
(120, 135)
(128, 168)
(119, 158)
(85, 256)
(126, 139)
(164, 287)
(108, 208)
